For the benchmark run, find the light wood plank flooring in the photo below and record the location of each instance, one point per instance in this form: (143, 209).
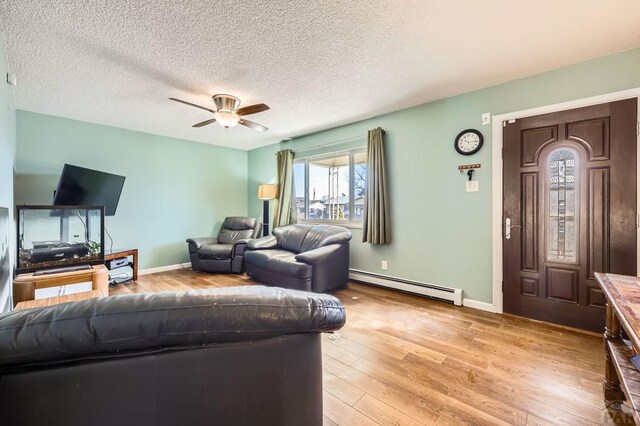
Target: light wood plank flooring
(406, 360)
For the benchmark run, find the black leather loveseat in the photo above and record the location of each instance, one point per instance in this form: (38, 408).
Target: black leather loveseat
(304, 257)
(230, 356)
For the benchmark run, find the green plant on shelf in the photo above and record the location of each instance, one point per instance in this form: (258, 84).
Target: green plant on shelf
(94, 247)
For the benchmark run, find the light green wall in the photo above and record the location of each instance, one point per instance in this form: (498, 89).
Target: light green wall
(442, 235)
(174, 189)
(7, 161)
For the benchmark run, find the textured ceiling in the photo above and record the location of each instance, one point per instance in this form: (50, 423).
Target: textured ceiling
(318, 64)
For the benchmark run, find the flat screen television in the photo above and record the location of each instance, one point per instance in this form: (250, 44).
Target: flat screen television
(79, 186)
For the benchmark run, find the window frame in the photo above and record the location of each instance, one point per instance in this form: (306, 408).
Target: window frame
(351, 152)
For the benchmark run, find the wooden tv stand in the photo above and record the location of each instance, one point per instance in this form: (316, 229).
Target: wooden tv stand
(25, 285)
(117, 253)
(621, 377)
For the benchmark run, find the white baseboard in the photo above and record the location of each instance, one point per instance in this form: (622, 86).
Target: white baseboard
(164, 268)
(425, 289)
(476, 304)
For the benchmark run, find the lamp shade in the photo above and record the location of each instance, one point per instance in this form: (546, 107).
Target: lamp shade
(227, 120)
(267, 191)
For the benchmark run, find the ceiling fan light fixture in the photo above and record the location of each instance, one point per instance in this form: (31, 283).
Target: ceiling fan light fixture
(226, 103)
(228, 113)
(227, 119)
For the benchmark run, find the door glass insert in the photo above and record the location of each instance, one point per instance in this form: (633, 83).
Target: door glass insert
(562, 213)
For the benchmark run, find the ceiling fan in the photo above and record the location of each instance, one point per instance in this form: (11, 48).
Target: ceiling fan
(227, 114)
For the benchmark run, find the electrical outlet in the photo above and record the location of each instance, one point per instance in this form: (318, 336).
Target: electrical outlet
(384, 265)
(486, 118)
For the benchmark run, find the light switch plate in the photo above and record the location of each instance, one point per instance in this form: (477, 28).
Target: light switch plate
(473, 186)
(486, 118)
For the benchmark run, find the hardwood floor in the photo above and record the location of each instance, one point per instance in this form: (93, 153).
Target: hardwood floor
(405, 360)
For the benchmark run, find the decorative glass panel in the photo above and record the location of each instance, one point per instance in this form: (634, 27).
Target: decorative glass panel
(562, 214)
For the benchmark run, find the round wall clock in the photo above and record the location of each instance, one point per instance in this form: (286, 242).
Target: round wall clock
(468, 142)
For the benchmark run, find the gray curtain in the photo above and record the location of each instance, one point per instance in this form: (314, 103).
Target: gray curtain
(285, 204)
(376, 228)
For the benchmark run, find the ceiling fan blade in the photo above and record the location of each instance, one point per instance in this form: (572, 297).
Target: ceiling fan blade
(252, 125)
(204, 123)
(193, 105)
(252, 109)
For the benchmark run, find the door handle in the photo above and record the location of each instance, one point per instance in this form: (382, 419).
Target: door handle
(507, 228)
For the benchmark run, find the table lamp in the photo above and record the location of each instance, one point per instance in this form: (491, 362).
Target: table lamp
(266, 192)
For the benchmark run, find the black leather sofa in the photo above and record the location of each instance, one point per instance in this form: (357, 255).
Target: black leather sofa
(231, 356)
(224, 253)
(304, 257)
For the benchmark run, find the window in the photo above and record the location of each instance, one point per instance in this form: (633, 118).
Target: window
(331, 187)
(563, 205)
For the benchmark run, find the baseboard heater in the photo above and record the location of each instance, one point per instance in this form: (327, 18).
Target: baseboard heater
(448, 294)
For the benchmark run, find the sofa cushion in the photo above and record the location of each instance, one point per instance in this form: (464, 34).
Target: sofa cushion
(324, 235)
(288, 266)
(215, 251)
(260, 257)
(291, 237)
(230, 236)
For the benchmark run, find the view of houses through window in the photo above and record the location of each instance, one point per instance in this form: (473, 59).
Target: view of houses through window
(331, 187)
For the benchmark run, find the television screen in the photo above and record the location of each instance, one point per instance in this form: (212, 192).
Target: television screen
(79, 186)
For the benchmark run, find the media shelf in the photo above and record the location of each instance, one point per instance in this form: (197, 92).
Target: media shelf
(118, 253)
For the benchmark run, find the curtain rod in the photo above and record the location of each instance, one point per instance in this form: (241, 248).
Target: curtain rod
(309, 148)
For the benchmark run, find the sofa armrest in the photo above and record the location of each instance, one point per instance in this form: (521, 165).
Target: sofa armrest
(318, 255)
(268, 242)
(196, 243)
(239, 247)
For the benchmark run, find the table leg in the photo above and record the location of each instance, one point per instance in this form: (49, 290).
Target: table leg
(611, 385)
(100, 280)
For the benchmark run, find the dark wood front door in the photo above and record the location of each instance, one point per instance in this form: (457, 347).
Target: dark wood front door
(570, 198)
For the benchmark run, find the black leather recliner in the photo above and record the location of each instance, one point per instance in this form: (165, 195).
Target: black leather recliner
(226, 356)
(225, 252)
(303, 257)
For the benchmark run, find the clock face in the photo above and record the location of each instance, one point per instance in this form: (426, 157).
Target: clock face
(468, 142)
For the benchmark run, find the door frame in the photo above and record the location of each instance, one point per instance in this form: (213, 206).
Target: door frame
(496, 175)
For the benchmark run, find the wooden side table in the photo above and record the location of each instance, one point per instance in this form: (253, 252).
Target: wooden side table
(25, 286)
(622, 378)
(117, 253)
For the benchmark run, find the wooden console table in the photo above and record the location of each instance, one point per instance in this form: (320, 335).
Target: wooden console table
(117, 253)
(25, 286)
(621, 377)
